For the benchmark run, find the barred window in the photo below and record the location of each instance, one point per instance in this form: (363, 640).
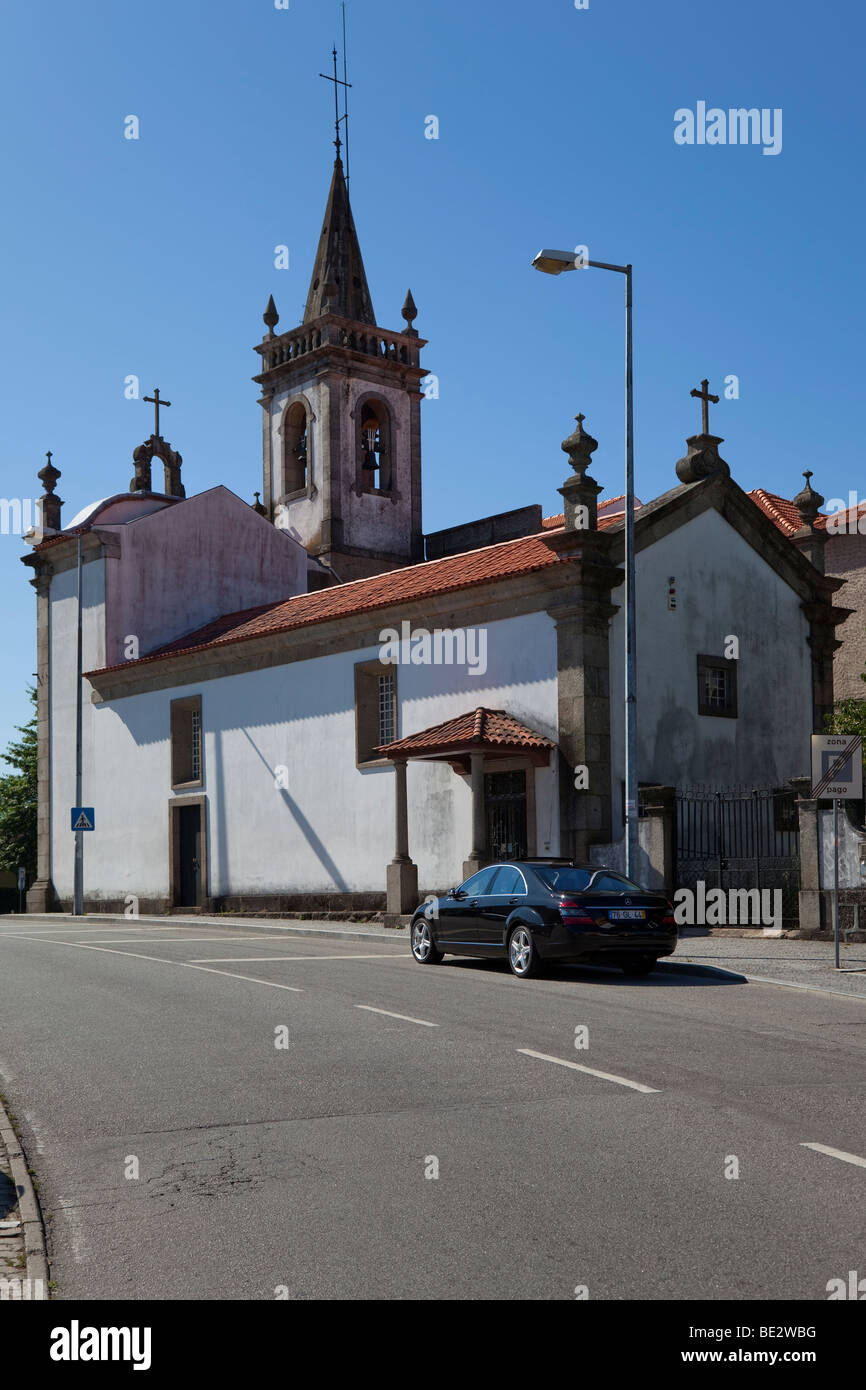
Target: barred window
(375, 709)
(186, 742)
(387, 722)
(195, 751)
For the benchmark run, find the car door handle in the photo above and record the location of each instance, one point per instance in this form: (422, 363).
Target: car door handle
(473, 902)
(512, 902)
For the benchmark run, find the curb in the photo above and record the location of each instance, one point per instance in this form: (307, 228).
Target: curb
(710, 972)
(28, 1206)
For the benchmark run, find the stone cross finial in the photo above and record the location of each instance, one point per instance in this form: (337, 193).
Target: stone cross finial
(156, 403)
(704, 397)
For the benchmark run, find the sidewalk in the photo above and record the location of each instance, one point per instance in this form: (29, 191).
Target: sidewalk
(806, 964)
(779, 960)
(23, 1266)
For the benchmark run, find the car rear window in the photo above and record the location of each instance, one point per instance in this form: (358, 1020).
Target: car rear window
(563, 878)
(615, 883)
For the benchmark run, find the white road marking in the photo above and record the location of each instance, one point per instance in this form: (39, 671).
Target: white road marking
(143, 940)
(836, 1153)
(238, 960)
(183, 964)
(590, 1071)
(405, 1017)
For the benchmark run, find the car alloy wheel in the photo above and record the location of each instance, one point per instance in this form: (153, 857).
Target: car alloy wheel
(522, 955)
(423, 948)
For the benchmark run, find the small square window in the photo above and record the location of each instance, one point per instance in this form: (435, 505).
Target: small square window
(717, 686)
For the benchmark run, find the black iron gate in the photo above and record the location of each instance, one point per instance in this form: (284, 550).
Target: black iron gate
(505, 802)
(740, 838)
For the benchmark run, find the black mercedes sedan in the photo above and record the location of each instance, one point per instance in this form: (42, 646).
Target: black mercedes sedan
(535, 911)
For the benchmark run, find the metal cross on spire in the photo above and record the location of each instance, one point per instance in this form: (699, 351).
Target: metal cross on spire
(156, 403)
(704, 397)
(338, 119)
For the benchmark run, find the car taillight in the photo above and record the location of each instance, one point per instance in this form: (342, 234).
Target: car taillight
(575, 915)
(669, 920)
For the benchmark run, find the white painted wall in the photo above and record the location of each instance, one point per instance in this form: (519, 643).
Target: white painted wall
(190, 563)
(723, 587)
(852, 852)
(63, 660)
(332, 828)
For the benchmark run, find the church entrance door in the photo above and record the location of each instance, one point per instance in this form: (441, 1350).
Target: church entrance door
(189, 828)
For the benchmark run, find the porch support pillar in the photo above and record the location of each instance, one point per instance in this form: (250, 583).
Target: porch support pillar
(478, 853)
(402, 874)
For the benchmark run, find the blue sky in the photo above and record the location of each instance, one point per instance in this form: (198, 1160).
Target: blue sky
(155, 257)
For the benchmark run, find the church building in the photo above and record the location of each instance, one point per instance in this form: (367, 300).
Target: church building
(307, 704)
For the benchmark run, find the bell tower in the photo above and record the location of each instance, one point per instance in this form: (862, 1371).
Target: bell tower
(341, 404)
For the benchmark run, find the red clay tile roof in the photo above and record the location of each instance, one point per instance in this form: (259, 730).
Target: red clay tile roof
(781, 512)
(454, 572)
(480, 728)
(552, 523)
(785, 516)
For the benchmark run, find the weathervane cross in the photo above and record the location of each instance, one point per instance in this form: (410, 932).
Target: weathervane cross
(338, 82)
(156, 402)
(704, 397)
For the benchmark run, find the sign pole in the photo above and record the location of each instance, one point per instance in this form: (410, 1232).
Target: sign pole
(78, 883)
(836, 878)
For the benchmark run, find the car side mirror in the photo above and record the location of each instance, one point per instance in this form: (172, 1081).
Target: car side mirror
(456, 893)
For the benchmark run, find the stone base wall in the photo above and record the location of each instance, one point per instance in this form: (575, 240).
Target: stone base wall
(320, 906)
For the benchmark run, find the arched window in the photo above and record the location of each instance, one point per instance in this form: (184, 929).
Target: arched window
(295, 448)
(374, 446)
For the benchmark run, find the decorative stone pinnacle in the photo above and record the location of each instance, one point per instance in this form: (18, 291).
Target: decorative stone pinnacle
(270, 317)
(48, 475)
(580, 447)
(410, 312)
(257, 505)
(50, 504)
(808, 502)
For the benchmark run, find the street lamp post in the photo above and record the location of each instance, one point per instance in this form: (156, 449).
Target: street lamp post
(554, 263)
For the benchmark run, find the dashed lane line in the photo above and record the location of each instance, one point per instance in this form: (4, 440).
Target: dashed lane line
(590, 1071)
(836, 1153)
(405, 1018)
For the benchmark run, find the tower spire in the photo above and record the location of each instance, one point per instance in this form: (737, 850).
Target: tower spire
(339, 281)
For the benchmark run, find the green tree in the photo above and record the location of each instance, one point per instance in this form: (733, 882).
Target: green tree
(849, 717)
(18, 800)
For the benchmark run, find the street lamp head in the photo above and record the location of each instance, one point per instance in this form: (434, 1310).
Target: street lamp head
(555, 262)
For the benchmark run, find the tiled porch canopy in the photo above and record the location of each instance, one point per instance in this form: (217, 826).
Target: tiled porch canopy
(490, 731)
(464, 742)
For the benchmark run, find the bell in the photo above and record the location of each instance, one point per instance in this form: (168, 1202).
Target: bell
(370, 461)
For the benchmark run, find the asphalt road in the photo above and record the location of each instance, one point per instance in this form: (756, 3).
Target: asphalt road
(305, 1168)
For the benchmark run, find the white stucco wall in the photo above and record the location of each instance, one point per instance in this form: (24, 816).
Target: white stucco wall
(188, 564)
(63, 659)
(723, 587)
(332, 827)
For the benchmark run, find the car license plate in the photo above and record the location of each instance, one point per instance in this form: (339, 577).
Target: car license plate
(627, 914)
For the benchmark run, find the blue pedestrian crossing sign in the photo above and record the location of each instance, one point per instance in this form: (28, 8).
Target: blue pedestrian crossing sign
(83, 818)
